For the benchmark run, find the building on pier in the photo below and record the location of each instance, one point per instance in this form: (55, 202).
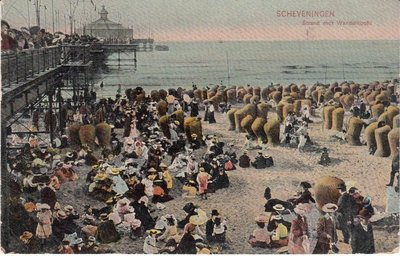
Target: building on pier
(107, 29)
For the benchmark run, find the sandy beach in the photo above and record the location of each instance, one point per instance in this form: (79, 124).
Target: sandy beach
(243, 200)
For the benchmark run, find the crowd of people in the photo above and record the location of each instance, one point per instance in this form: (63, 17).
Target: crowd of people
(141, 169)
(15, 40)
(285, 224)
(133, 176)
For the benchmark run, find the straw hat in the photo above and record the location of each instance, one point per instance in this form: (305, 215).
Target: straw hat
(152, 170)
(123, 201)
(104, 216)
(43, 206)
(162, 165)
(261, 218)
(92, 239)
(61, 215)
(68, 208)
(26, 236)
(69, 155)
(278, 217)
(202, 169)
(38, 162)
(278, 207)
(100, 176)
(114, 171)
(329, 207)
(198, 219)
(153, 231)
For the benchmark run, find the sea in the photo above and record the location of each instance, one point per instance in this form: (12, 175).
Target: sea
(258, 63)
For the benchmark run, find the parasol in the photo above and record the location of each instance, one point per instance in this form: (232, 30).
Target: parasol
(198, 219)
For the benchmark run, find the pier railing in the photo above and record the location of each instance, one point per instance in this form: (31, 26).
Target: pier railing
(21, 66)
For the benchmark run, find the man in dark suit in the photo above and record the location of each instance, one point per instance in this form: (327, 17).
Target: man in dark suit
(346, 211)
(326, 230)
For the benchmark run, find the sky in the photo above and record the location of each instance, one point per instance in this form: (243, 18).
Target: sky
(211, 20)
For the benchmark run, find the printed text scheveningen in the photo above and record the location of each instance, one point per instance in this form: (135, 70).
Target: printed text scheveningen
(305, 13)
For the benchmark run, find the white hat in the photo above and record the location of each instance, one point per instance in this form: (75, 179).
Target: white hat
(329, 207)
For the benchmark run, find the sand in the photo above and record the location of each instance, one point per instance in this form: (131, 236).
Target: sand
(243, 200)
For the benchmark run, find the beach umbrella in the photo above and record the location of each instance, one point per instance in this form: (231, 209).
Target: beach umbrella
(187, 98)
(170, 99)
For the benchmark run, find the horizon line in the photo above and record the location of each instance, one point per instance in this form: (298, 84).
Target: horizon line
(269, 40)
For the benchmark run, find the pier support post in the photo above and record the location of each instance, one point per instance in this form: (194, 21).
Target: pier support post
(5, 193)
(134, 57)
(51, 117)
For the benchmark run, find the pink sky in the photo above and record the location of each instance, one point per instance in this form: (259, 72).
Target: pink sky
(284, 32)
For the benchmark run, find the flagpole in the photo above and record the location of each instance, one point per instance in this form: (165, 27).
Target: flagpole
(29, 15)
(52, 13)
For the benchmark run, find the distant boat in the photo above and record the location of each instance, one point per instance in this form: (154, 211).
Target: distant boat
(161, 48)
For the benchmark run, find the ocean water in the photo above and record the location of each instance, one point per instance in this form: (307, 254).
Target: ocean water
(254, 63)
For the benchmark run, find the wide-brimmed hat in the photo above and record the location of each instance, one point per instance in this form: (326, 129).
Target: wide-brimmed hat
(92, 239)
(104, 216)
(329, 207)
(198, 219)
(123, 201)
(69, 154)
(261, 218)
(202, 169)
(194, 135)
(365, 214)
(151, 170)
(305, 184)
(300, 208)
(57, 157)
(214, 212)
(153, 231)
(100, 176)
(162, 165)
(26, 236)
(278, 207)
(114, 171)
(278, 217)
(68, 208)
(42, 206)
(61, 215)
(38, 162)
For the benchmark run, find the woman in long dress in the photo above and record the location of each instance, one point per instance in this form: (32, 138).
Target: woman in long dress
(45, 220)
(133, 133)
(202, 180)
(298, 237)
